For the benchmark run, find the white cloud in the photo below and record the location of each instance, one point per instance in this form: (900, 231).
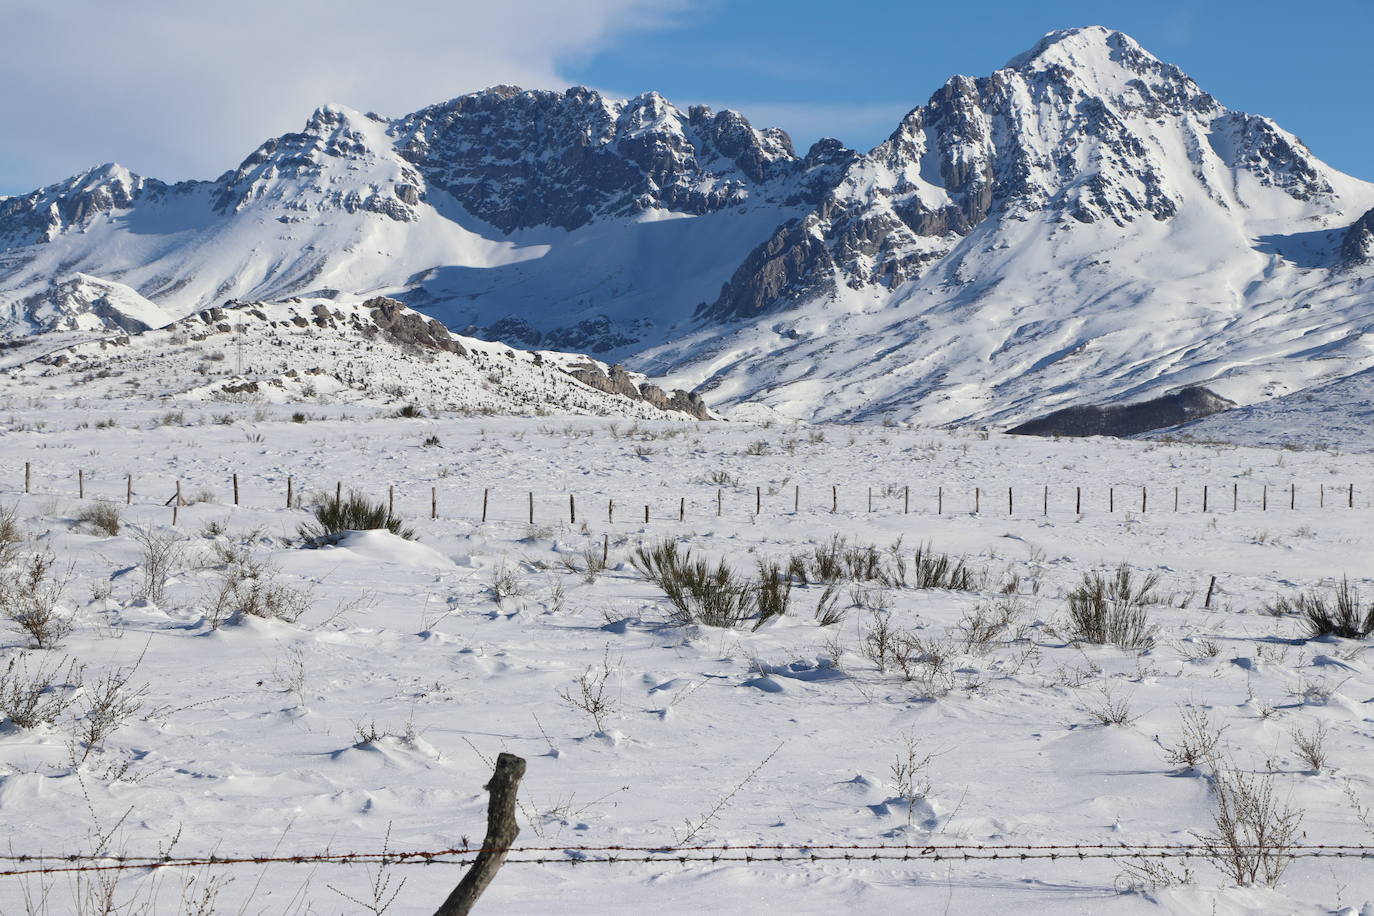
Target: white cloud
(186, 88)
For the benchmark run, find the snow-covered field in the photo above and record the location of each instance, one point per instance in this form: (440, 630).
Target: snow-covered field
(251, 737)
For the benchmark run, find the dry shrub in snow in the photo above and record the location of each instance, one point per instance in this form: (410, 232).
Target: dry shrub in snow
(250, 587)
(1198, 741)
(29, 597)
(698, 592)
(163, 553)
(1110, 610)
(33, 696)
(103, 516)
(1340, 615)
(353, 512)
(1253, 834)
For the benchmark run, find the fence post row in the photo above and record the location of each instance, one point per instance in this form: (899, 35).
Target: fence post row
(291, 496)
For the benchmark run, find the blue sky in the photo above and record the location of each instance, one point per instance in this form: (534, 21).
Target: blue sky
(852, 68)
(186, 90)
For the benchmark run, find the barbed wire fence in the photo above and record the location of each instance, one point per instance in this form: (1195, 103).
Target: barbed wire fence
(37, 864)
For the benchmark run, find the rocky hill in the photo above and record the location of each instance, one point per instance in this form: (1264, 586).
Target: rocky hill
(375, 352)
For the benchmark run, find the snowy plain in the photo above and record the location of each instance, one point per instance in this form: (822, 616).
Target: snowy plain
(248, 738)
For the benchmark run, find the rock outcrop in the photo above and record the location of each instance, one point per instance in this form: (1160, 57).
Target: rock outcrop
(1126, 419)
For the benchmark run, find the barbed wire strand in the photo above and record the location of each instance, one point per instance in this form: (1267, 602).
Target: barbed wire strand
(758, 853)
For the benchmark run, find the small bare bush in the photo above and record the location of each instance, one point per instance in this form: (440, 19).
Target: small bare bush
(163, 553)
(590, 693)
(1198, 741)
(11, 537)
(1310, 746)
(506, 581)
(30, 697)
(1106, 708)
(1110, 610)
(986, 624)
(103, 516)
(928, 663)
(878, 642)
(249, 587)
(1253, 834)
(29, 598)
(105, 706)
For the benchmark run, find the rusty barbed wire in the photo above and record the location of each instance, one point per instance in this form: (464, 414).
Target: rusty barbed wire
(748, 853)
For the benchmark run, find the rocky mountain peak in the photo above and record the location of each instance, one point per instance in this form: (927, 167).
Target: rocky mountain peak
(1357, 245)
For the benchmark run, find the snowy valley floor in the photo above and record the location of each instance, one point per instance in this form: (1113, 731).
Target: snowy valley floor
(252, 736)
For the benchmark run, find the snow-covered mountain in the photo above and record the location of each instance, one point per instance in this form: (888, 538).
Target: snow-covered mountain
(1086, 224)
(546, 218)
(376, 352)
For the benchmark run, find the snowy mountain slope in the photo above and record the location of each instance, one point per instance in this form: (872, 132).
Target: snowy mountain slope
(1084, 224)
(376, 352)
(561, 211)
(1335, 414)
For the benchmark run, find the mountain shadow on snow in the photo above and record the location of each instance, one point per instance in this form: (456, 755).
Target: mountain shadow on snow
(1127, 419)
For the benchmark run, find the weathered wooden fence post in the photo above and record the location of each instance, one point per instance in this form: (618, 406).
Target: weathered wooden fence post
(1143, 498)
(940, 501)
(433, 503)
(290, 491)
(1204, 497)
(531, 507)
(834, 499)
(391, 499)
(1264, 498)
(572, 509)
(646, 515)
(906, 500)
(1077, 500)
(1352, 496)
(501, 833)
(796, 499)
(1207, 603)
(720, 506)
(128, 489)
(236, 489)
(1045, 501)
(1009, 502)
(80, 484)
(486, 492)
(28, 477)
(610, 512)
(1111, 499)
(682, 509)
(758, 500)
(977, 500)
(1292, 496)
(1235, 496)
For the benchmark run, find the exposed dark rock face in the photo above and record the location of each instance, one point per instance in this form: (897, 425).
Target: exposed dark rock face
(1126, 419)
(1357, 247)
(519, 158)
